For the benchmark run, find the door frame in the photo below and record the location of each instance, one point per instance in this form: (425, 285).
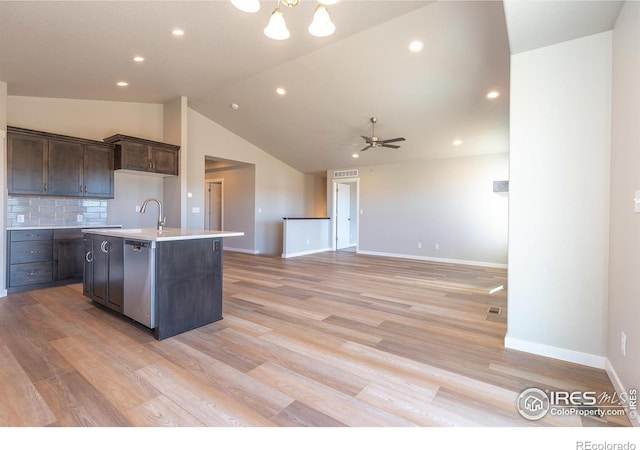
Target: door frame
(207, 203)
(334, 210)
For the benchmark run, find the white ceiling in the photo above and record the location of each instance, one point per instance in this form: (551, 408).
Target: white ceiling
(80, 49)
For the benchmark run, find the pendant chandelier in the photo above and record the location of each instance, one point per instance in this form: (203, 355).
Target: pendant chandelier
(321, 26)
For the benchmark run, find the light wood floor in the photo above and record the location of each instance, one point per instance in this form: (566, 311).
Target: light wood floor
(335, 339)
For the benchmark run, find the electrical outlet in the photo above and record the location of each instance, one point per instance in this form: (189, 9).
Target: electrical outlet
(79, 218)
(20, 218)
(137, 208)
(419, 244)
(437, 246)
(623, 343)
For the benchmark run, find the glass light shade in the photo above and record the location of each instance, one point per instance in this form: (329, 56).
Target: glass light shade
(290, 3)
(328, 2)
(277, 28)
(249, 6)
(321, 25)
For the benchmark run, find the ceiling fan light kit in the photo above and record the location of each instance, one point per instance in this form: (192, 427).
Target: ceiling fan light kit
(374, 141)
(321, 26)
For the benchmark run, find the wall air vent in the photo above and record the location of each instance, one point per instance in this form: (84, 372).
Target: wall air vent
(345, 173)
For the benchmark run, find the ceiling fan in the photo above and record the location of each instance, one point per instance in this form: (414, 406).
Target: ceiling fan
(375, 141)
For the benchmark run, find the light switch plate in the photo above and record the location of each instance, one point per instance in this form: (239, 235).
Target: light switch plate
(20, 218)
(195, 210)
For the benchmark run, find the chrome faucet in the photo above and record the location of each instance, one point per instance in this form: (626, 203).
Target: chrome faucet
(161, 219)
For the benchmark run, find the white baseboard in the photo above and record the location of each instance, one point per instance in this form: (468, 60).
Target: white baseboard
(439, 260)
(241, 250)
(308, 252)
(619, 387)
(3, 293)
(563, 354)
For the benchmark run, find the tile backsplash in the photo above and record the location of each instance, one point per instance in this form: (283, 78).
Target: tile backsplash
(55, 211)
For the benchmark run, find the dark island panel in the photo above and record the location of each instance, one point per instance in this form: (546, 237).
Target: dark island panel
(188, 285)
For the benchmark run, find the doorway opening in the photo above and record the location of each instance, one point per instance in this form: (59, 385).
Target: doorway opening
(214, 205)
(345, 215)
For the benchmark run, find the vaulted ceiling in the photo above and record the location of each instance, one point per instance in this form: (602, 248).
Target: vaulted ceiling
(73, 49)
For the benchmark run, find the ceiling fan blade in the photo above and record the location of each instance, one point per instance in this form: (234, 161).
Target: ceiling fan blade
(366, 148)
(389, 146)
(367, 139)
(385, 141)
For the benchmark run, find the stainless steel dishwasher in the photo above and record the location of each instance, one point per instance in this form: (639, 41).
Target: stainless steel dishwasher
(139, 281)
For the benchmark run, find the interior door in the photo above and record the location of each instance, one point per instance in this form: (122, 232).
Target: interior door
(343, 216)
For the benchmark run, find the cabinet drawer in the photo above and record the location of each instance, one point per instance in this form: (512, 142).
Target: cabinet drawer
(31, 273)
(27, 252)
(31, 235)
(68, 233)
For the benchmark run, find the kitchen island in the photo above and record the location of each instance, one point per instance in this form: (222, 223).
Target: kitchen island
(170, 281)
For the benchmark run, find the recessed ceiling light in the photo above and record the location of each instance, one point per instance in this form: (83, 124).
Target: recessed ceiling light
(281, 91)
(416, 46)
(178, 32)
(457, 142)
(235, 106)
(138, 58)
(355, 155)
(493, 95)
(122, 83)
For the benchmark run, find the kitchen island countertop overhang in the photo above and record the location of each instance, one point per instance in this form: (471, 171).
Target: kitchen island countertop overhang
(167, 234)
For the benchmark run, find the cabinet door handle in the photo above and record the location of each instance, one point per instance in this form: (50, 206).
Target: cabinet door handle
(33, 234)
(34, 251)
(45, 187)
(85, 189)
(33, 273)
(88, 257)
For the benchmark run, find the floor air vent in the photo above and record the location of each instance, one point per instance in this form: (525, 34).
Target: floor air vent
(345, 173)
(494, 310)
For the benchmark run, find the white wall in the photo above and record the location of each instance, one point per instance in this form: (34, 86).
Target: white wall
(96, 120)
(89, 119)
(624, 266)
(315, 203)
(175, 188)
(238, 205)
(559, 199)
(280, 189)
(3, 185)
(449, 202)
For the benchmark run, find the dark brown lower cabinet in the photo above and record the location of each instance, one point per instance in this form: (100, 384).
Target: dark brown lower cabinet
(68, 256)
(30, 259)
(107, 277)
(44, 257)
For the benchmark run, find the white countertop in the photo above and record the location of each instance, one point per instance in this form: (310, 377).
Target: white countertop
(62, 227)
(168, 234)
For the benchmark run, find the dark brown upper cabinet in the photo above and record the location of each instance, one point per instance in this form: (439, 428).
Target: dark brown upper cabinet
(27, 163)
(132, 153)
(51, 164)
